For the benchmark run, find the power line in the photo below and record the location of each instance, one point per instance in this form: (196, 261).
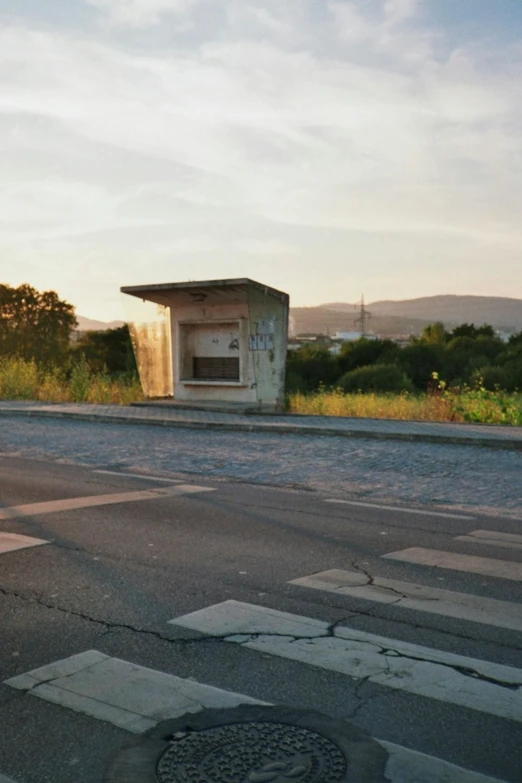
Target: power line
(364, 316)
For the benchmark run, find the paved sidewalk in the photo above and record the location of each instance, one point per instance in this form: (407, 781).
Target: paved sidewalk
(380, 429)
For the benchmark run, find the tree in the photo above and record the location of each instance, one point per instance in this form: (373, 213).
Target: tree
(109, 350)
(364, 352)
(34, 325)
(420, 360)
(310, 366)
(434, 334)
(470, 330)
(376, 378)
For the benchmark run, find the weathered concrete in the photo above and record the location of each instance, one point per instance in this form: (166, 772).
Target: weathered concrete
(217, 341)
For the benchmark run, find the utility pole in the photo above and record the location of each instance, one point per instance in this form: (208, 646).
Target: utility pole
(364, 316)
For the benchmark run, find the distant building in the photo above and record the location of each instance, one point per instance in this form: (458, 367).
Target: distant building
(348, 337)
(320, 340)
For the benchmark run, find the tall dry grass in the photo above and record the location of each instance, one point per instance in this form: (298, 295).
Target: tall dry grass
(24, 380)
(466, 405)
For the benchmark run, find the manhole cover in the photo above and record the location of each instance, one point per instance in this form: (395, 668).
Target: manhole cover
(250, 744)
(252, 752)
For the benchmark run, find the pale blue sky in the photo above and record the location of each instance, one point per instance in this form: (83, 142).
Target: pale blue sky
(324, 147)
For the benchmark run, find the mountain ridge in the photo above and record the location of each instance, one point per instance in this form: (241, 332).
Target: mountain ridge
(92, 325)
(390, 316)
(410, 316)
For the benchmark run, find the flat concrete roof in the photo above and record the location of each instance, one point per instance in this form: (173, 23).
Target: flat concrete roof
(201, 289)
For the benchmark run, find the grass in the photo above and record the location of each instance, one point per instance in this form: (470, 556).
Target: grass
(465, 405)
(23, 380)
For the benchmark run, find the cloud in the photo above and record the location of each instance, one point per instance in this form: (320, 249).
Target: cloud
(265, 247)
(400, 10)
(188, 245)
(285, 134)
(139, 13)
(342, 117)
(351, 23)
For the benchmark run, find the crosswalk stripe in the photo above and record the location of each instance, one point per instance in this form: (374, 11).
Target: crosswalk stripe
(493, 538)
(407, 595)
(132, 697)
(469, 682)
(10, 542)
(137, 476)
(401, 509)
(70, 504)
(409, 766)
(503, 569)
(136, 698)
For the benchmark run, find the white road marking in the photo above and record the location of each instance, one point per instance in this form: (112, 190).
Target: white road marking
(10, 542)
(135, 698)
(502, 569)
(463, 606)
(399, 508)
(493, 538)
(410, 766)
(71, 504)
(231, 617)
(455, 679)
(129, 696)
(137, 476)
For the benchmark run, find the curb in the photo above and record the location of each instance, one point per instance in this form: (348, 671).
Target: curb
(283, 429)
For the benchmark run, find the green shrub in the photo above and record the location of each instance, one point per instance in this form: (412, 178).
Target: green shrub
(376, 378)
(106, 351)
(80, 381)
(507, 377)
(18, 379)
(420, 360)
(309, 367)
(364, 352)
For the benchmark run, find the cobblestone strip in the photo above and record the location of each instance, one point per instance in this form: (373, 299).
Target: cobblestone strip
(380, 429)
(463, 478)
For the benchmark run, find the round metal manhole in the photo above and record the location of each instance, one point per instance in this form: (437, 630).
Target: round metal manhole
(250, 744)
(252, 752)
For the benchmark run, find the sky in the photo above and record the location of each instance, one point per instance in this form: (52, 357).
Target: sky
(327, 148)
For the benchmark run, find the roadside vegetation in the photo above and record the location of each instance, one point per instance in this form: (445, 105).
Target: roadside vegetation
(42, 358)
(468, 374)
(465, 375)
(458, 405)
(22, 379)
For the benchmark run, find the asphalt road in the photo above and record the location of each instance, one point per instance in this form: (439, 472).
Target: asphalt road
(111, 576)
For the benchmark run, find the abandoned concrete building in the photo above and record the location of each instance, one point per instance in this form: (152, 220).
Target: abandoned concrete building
(211, 341)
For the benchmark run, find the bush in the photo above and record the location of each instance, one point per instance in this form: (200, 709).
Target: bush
(24, 380)
(507, 377)
(466, 355)
(420, 360)
(80, 381)
(106, 351)
(310, 367)
(376, 378)
(19, 379)
(364, 352)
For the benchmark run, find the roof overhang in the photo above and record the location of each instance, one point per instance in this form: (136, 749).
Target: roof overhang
(208, 291)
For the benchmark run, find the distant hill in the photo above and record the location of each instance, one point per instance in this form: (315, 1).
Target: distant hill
(90, 325)
(410, 316)
(389, 317)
